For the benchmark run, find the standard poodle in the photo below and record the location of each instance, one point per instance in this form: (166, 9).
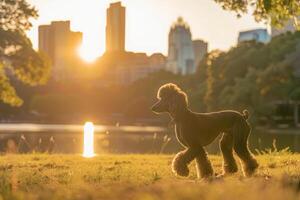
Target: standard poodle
(196, 130)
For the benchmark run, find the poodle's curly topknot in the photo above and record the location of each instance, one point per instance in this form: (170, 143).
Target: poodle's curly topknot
(171, 89)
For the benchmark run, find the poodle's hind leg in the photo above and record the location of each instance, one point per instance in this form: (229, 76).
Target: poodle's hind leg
(181, 161)
(226, 146)
(203, 165)
(241, 134)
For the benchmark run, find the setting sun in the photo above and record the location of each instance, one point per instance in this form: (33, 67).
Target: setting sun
(87, 54)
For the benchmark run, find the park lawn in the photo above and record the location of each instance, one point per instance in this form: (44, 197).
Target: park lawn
(144, 177)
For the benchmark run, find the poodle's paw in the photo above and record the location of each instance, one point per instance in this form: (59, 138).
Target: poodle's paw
(220, 176)
(229, 169)
(181, 170)
(250, 168)
(224, 175)
(209, 179)
(179, 167)
(207, 175)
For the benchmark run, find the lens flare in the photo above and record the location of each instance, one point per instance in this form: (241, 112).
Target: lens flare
(88, 140)
(88, 54)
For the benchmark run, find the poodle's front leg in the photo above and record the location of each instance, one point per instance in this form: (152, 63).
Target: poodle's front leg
(181, 161)
(204, 167)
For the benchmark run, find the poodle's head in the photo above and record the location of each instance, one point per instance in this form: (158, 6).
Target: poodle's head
(170, 99)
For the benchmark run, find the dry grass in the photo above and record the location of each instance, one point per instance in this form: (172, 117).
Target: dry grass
(144, 177)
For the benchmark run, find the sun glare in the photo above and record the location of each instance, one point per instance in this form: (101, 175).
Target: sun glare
(88, 140)
(87, 54)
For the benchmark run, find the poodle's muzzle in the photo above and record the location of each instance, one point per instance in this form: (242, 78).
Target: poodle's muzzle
(159, 107)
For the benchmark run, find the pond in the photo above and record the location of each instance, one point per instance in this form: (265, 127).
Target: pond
(68, 138)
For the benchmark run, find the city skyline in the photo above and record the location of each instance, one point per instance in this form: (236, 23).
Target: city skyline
(154, 36)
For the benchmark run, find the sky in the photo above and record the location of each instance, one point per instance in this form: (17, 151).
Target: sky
(147, 22)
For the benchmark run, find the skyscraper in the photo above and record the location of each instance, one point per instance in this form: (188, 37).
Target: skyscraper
(46, 41)
(181, 58)
(200, 50)
(258, 35)
(60, 44)
(115, 28)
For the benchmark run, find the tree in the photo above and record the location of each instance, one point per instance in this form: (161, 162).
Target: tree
(253, 75)
(18, 59)
(278, 11)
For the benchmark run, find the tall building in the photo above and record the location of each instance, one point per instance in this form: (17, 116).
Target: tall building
(60, 44)
(115, 28)
(45, 41)
(258, 35)
(181, 58)
(200, 50)
(288, 27)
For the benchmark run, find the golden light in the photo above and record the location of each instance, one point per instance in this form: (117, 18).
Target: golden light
(88, 140)
(87, 54)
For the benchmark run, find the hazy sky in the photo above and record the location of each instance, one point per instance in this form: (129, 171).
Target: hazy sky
(147, 24)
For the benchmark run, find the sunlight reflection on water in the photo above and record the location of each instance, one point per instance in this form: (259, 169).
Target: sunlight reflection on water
(28, 127)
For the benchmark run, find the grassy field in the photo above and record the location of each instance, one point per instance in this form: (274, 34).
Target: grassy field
(144, 177)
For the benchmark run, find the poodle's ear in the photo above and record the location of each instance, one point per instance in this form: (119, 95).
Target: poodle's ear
(178, 102)
(182, 97)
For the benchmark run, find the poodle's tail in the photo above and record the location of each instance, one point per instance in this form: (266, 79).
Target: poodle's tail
(246, 114)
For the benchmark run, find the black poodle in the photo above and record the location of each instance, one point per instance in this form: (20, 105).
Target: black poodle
(196, 130)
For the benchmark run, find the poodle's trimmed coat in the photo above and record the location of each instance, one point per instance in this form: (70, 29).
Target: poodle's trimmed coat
(196, 130)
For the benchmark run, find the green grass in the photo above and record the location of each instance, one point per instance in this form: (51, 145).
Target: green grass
(145, 177)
